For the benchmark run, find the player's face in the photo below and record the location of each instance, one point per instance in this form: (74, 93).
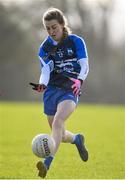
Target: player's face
(54, 29)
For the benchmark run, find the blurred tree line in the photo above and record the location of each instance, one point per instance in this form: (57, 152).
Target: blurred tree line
(21, 33)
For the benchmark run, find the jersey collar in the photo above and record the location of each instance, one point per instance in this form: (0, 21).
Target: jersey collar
(52, 41)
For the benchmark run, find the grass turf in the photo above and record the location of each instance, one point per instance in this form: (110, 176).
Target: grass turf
(103, 127)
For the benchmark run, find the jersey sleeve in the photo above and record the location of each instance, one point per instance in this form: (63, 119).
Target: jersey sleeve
(81, 50)
(46, 66)
(44, 60)
(82, 57)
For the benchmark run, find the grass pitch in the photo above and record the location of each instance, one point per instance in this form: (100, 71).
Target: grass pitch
(103, 127)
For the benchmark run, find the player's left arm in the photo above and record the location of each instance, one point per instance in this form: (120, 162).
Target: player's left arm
(82, 56)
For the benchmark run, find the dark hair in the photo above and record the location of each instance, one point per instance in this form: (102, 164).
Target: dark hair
(56, 14)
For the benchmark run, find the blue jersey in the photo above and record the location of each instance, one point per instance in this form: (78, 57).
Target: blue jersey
(64, 62)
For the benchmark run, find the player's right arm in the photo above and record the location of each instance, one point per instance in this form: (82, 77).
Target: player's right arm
(47, 66)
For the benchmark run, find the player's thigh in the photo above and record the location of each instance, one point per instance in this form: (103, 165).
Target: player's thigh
(65, 109)
(50, 120)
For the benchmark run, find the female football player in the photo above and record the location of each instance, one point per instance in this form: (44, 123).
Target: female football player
(64, 68)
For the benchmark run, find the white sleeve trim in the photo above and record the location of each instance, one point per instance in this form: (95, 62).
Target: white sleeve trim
(45, 75)
(50, 63)
(42, 61)
(84, 68)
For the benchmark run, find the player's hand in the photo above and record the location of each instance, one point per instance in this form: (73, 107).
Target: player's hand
(38, 87)
(76, 86)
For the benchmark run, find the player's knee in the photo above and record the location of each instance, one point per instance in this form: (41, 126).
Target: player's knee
(63, 138)
(59, 117)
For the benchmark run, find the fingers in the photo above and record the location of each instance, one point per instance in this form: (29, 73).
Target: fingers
(33, 84)
(76, 92)
(76, 86)
(75, 89)
(38, 87)
(34, 88)
(73, 86)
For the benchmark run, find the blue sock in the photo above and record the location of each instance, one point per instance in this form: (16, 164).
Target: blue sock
(75, 139)
(48, 161)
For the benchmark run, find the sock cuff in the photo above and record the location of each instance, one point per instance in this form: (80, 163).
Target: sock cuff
(73, 139)
(48, 161)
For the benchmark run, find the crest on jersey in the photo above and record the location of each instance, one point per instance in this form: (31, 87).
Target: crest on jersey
(60, 53)
(70, 51)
